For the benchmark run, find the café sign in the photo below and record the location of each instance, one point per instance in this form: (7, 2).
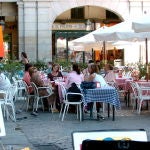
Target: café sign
(69, 26)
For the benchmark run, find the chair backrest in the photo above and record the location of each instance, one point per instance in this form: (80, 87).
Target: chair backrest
(26, 88)
(63, 91)
(134, 88)
(35, 89)
(11, 94)
(74, 93)
(139, 90)
(4, 93)
(14, 79)
(114, 84)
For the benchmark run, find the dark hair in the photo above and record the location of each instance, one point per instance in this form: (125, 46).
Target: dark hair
(76, 68)
(91, 61)
(24, 54)
(97, 61)
(27, 66)
(94, 68)
(54, 65)
(109, 66)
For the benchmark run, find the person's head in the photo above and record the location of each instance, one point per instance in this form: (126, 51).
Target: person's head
(93, 68)
(108, 67)
(90, 61)
(23, 54)
(56, 67)
(32, 70)
(1, 59)
(75, 67)
(49, 64)
(98, 62)
(27, 66)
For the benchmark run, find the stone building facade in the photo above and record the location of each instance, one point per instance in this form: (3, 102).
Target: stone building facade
(35, 19)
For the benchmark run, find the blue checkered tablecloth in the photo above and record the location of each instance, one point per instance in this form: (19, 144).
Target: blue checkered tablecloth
(104, 94)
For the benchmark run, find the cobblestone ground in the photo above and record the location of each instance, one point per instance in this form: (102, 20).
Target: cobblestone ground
(47, 132)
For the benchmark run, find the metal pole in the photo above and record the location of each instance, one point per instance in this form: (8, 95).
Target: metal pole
(146, 47)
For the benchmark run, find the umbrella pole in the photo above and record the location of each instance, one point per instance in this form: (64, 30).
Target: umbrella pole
(146, 47)
(104, 48)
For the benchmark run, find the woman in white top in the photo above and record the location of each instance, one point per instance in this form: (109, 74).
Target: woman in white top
(94, 76)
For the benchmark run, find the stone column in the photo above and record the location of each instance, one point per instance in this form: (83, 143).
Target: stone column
(34, 31)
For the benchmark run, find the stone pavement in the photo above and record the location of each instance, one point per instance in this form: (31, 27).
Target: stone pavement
(47, 132)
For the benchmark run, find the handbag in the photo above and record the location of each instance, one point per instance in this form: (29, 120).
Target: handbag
(88, 85)
(73, 97)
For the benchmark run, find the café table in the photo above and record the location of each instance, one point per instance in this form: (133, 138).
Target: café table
(106, 94)
(123, 84)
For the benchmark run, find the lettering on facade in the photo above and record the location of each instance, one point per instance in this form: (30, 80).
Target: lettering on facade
(69, 26)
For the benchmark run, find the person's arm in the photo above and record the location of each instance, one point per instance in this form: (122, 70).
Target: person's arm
(91, 77)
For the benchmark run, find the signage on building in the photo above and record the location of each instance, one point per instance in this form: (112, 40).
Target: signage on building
(69, 26)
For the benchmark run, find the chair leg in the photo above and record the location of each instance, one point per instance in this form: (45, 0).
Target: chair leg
(80, 110)
(28, 101)
(12, 114)
(77, 111)
(37, 103)
(41, 103)
(140, 105)
(51, 108)
(61, 110)
(65, 111)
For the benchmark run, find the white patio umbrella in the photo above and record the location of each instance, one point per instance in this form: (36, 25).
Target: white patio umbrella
(118, 32)
(123, 31)
(86, 39)
(141, 24)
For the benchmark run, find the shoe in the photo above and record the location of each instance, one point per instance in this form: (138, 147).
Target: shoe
(100, 117)
(21, 118)
(55, 110)
(34, 113)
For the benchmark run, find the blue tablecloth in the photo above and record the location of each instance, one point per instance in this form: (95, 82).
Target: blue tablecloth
(104, 94)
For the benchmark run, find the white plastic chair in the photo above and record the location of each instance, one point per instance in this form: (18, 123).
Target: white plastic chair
(8, 103)
(142, 97)
(134, 95)
(20, 95)
(40, 98)
(28, 95)
(66, 103)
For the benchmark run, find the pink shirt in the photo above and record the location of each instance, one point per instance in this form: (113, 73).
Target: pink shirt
(73, 77)
(27, 77)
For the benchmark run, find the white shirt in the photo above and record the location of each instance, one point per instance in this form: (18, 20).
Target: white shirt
(99, 78)
(4, 82)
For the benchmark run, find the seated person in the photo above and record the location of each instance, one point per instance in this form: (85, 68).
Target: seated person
(95, 77)
(75, 76)
(55, 73)
(36, 78)
(109, 73)
(86, 71)
(26, 76)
